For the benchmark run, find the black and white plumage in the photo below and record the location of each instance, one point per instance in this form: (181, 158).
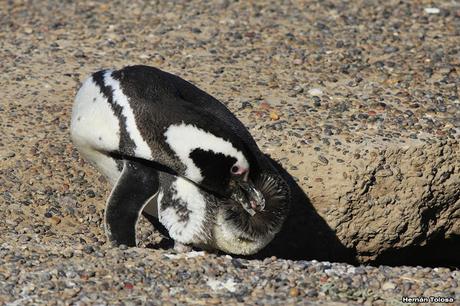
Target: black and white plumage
(194, 216)
(151, 132)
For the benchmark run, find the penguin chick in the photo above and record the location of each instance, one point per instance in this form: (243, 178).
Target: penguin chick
(195, 217)
(138, 122)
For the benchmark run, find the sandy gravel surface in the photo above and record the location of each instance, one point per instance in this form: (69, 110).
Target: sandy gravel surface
(299, 74)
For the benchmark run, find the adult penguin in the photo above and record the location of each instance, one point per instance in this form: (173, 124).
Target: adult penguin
(139, 121)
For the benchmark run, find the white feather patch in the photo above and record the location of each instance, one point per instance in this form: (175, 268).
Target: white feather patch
(142, 149)
(184, 138)
(94, 128)
(189, 195)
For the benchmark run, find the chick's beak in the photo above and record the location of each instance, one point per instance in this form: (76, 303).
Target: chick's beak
(245, 193)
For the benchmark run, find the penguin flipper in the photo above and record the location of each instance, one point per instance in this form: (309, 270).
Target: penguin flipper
(137, 184)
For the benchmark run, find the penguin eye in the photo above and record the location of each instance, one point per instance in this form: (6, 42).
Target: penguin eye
(239, 171)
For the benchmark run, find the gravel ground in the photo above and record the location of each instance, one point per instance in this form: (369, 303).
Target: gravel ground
(313, 73)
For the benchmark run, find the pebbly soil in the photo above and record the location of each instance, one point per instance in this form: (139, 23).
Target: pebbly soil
(312, 74)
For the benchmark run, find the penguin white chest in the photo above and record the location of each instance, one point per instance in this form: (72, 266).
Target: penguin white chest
(182, 210)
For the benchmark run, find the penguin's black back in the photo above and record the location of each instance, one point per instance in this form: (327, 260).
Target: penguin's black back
(160, 99)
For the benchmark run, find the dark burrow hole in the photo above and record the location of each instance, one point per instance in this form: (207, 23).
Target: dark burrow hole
(437, 253)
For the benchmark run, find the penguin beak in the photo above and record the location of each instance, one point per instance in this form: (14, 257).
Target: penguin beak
(248, 196)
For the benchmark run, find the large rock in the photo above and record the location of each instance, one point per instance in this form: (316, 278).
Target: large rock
(396, 203)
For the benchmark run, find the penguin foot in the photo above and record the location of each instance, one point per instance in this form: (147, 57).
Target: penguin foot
(182, 248)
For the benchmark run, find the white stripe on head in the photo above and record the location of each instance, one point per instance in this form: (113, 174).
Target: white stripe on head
(142, 149)
(187, 194)
(184, 138)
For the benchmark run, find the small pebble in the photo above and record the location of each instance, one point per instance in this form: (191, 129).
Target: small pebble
(388, 286)
(294, 292)
(323, 160)
(317, 92)
(274, 116)
(432, 10)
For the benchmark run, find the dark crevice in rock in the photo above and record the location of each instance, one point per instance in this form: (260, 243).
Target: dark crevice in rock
(440, 252)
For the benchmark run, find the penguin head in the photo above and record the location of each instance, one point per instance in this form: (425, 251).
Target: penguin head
(227, 175)
(219, 164)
